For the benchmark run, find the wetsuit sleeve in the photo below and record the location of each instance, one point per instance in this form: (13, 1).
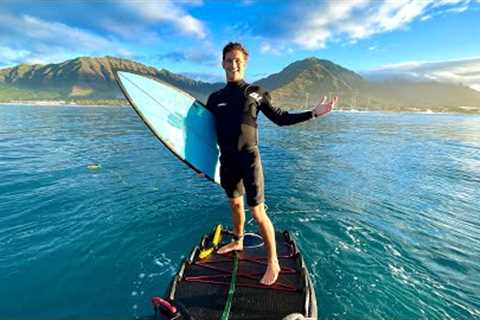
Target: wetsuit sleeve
(210, 103)
(281, 117)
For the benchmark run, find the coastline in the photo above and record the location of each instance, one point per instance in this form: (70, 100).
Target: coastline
(360, 111)
(466, 110)
(57, 104)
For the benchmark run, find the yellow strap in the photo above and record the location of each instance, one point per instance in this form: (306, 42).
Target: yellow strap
(217, 236)
(205, 253)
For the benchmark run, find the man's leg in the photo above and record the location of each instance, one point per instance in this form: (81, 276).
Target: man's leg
(268, 234)
(238, 217)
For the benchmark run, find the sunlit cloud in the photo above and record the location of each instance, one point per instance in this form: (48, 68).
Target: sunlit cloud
(463, 71)
(312, 26)
(34, 34)
(27, 39)
(275, 49)
(8, 54)
(28, 28)
(169, 12)
(136, 33)
(11, 57)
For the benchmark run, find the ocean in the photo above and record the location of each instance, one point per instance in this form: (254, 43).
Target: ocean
(385, 208)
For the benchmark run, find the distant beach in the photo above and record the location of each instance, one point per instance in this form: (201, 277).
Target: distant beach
(57, 103)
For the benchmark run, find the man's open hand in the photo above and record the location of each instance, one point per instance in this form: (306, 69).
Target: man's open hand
(324, 106)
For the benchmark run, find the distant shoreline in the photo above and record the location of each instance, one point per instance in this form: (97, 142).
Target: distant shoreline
(76, 105)
(467, 110)
(57, 104)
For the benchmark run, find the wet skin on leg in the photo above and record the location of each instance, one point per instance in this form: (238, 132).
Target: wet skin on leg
(238, 217)
(267, 231)
(268, 234)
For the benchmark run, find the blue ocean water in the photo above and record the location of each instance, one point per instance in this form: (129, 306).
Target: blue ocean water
(384, 206)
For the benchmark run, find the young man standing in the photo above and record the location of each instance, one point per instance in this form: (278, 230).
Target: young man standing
(236, 108)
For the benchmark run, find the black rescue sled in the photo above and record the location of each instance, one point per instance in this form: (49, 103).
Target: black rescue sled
(209, 286)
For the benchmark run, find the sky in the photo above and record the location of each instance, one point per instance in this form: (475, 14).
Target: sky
(435, 39)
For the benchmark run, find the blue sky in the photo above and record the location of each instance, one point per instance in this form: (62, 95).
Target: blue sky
(426, 38)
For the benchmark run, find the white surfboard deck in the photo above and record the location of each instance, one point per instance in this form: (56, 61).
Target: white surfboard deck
(177, 119)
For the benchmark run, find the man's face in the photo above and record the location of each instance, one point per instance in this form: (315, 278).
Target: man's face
(234, 65)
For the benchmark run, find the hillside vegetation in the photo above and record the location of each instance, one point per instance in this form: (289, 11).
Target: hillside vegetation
(300, 85)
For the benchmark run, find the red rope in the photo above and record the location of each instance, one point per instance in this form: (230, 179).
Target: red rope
(206, 264)
(276, 286)
(246, 275)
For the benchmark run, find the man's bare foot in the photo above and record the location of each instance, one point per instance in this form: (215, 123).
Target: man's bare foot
(271, 274)
(232, 246)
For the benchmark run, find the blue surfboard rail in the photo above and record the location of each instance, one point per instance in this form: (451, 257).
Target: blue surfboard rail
(177, 119)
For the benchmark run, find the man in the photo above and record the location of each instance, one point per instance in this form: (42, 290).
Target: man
(235, 108)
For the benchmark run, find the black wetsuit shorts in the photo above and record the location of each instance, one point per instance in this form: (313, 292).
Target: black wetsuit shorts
(242, 172)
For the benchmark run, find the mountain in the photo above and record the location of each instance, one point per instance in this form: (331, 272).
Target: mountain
(303, 83)
(84, 78)
(300, 85)
(405, 95)
(311, 79)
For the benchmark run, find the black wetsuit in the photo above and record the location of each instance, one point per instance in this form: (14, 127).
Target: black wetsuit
(236, 108)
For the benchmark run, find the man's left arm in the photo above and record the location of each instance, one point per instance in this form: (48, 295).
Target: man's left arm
(284, 118)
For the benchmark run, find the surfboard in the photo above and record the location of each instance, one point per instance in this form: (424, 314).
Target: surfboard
(177, 119)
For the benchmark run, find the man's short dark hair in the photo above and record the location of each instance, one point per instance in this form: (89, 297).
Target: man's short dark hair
(234, 46)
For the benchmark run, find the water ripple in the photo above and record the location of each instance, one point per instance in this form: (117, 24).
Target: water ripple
(384, 207)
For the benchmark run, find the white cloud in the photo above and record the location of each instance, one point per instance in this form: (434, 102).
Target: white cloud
(34, 30)
(402, 66)
(27, 39)
(131, 32)
(33, 37)
(395, 14)
(93, 29)
(464, 71)
(9, 54)
(170, 12)
(475, 87)
(276, 50)
(458, 10)
(312, 26)
(318, 24)
(55, 32)
(439, 3)
(10, 57)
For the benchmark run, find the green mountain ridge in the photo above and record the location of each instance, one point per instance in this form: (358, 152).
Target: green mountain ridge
(300, 85)
(84, 79)
(310, 79)
(324, 72)
(303, 83)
